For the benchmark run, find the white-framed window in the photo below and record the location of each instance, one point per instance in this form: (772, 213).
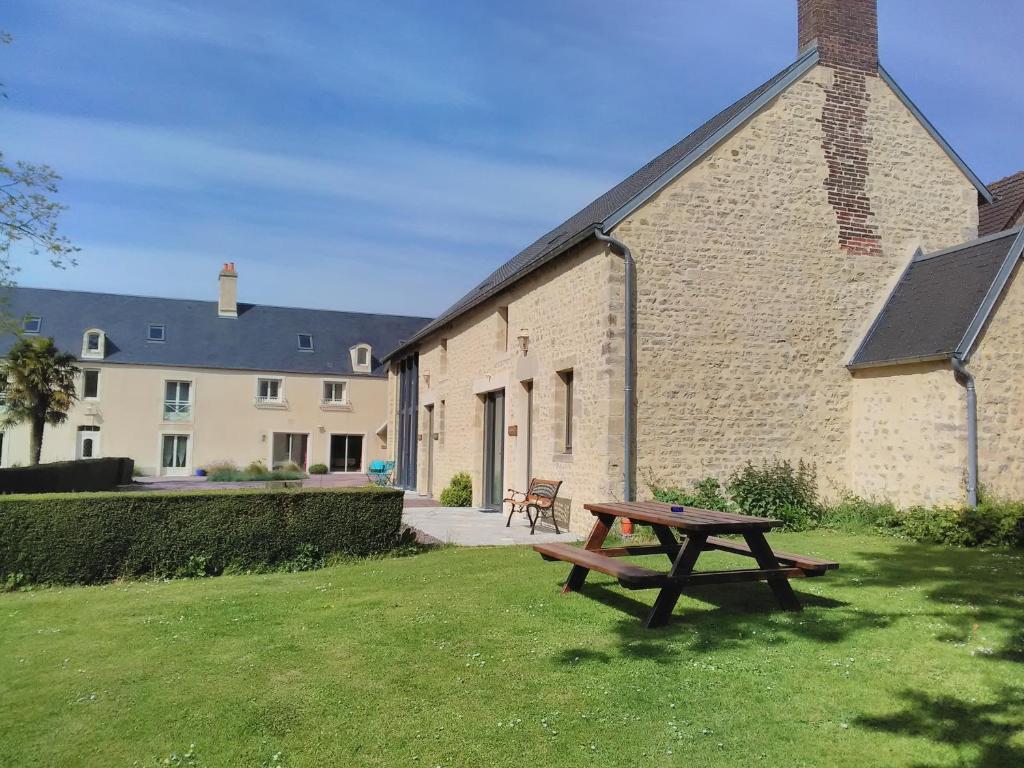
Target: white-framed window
(362, 357)
(94, 343)
(177, 400)
(90, 384)
(335, 393)
(269, 390)
(32, 324)
(306, 342)
(156, 332)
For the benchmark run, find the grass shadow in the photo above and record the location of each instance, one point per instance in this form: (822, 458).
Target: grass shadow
(984, 734)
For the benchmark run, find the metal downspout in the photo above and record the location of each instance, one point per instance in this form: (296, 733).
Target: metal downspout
(629, 418)
(966, 380)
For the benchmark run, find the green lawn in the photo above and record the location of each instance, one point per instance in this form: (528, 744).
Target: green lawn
(908, 656)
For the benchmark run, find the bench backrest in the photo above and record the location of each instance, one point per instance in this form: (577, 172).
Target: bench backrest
(544, 489)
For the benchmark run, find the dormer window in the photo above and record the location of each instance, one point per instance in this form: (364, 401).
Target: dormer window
(94, 342)
(306, 342)
(32, 324)
(362, 358)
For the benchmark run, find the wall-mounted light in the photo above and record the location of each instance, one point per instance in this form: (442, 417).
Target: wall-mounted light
(524, 341)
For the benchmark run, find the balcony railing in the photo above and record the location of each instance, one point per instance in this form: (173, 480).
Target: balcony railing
(263, 401)
(175, 410)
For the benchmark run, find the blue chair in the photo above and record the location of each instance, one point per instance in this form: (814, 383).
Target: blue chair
(380, 472)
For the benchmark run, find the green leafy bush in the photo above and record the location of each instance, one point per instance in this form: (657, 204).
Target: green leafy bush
(705, 494)
(228, 472)
(459, 492)
(856, 515)
(88, 538)
(778, 491)
(318, 469)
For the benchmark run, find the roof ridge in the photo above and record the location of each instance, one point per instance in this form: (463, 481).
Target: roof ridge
(976, 241)
(1007, 178)
(208, 301)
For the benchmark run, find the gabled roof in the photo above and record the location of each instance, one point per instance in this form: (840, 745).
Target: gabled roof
(1007, 209)
(941, 303)
(261, 338)
(632, 191)
(624, 198)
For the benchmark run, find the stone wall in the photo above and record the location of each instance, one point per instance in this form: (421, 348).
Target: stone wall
(908, 440)
(570, 310)
(749, 309)
(998, 368)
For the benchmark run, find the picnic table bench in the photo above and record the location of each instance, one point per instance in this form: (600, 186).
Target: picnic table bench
(696, 527)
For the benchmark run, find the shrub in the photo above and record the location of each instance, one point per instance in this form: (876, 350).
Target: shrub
(778, 491)
(318, 469)
(459, 492)
(226, 472)
(257, 469)
(706, 494)
(66, 476)
(88, 538)
(856, 515)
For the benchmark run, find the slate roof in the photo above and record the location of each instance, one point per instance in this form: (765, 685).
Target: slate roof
(1008, 208)
(609, 209)
(941, 302)
(580, 225)
(261, 338)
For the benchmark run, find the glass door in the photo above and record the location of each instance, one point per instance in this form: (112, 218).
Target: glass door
(174, 456)
(494, 449)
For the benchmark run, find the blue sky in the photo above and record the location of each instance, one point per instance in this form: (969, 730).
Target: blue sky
(385, 156)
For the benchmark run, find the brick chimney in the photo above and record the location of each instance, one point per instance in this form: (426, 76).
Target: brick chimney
(846, 34)
(845, 31)
(227, 299)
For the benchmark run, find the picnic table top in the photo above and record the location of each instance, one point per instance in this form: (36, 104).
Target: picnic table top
(690, 519)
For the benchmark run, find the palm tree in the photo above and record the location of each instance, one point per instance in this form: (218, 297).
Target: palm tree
(37, 383)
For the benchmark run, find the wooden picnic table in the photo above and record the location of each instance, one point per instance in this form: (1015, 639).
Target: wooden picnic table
(683, 533)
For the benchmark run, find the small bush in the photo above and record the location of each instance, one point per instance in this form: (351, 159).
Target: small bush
(227, 472)
(88, 538)
(706, 494)
(318, 469)
(257, 469)
(856, 515)
(778, 491)
(459, 492)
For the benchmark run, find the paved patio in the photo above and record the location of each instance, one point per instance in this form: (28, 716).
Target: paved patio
(475, 528)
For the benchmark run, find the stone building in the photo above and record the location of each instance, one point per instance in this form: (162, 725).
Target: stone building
(769, 246)
(178, 384)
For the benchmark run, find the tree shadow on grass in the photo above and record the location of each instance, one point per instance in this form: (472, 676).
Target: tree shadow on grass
(982, 733)
(973, 591)
(743, 615)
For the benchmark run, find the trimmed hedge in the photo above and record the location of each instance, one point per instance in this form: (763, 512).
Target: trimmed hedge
(89, 538)
(68, 476)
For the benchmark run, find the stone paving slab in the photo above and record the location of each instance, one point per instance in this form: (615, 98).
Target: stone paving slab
(476, 528)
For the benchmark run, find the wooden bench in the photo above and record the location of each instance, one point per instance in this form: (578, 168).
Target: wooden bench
(811, 566)
(630, 576)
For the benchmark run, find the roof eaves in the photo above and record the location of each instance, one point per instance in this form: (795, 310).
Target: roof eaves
(965, 348)
(899, 361)
(802, 65)
(977, 182)
(853, 364)
(494, 290)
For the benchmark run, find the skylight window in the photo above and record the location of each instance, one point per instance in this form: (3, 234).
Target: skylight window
(32, 324)
(156, 332)
(306, 342)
